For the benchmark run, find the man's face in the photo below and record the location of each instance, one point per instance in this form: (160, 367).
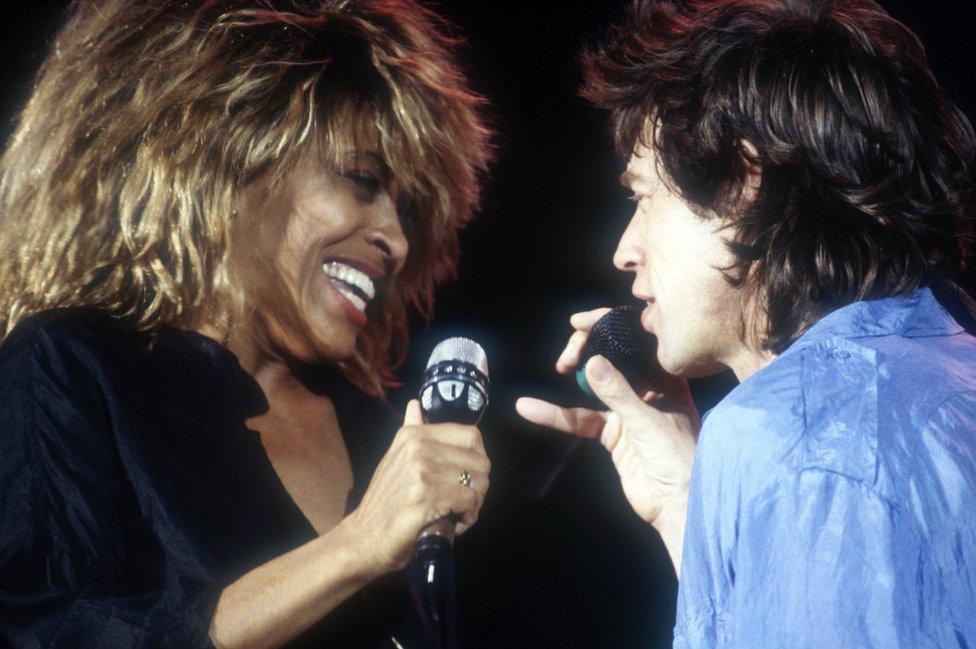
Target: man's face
(676, 257)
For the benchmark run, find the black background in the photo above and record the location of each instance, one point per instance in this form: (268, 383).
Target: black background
(565, 564)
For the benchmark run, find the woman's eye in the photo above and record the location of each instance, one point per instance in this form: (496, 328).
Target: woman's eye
(368, 182)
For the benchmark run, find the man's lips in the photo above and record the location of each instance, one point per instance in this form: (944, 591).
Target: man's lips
(646, 315)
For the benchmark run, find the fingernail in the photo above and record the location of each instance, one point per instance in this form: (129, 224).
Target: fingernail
(599, 368)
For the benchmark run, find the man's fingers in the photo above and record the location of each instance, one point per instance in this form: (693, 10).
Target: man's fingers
(570, 357)
(586, 319)
(577, 421)
(610, 386)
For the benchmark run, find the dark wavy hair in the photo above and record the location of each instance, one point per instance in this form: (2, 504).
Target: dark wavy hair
(866, 187)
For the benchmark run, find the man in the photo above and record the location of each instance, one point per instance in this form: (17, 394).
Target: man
(803, 192)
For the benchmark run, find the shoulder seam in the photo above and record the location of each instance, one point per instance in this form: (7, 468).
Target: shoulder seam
(943, 402)
(787, 472)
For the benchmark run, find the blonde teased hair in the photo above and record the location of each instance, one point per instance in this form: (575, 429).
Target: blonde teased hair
(149, 116)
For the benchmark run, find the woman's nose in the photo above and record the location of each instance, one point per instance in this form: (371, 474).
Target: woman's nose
(386, 234)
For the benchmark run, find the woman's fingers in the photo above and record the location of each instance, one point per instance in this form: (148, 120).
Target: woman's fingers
(413, 415)
(470, 499)
(457, 435)
(452, 467)
(429, 472)
(455, 493)
(426, 448)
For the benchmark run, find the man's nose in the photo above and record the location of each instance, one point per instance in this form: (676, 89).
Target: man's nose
(629, 254)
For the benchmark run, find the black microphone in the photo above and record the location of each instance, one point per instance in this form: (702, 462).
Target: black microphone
(619, 337)
(455, 390)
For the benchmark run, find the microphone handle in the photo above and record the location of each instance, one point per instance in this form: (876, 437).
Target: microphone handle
(443, 527)
(432, 571)
(453, 392)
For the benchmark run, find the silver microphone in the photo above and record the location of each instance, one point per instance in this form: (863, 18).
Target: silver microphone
(455, 390)
(455, 387)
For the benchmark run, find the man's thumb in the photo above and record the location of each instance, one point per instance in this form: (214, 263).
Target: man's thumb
(610, 386)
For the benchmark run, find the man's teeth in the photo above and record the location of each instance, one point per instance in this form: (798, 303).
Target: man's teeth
(353, 277)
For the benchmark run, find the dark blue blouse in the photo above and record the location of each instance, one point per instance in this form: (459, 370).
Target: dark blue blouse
(132, 492)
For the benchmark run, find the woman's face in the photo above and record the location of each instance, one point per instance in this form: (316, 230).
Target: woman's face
(314, 254)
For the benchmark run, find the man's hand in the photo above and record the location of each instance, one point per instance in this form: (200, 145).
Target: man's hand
(651, 437)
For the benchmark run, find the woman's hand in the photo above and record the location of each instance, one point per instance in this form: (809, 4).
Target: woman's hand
(651, 438)
(418, 482)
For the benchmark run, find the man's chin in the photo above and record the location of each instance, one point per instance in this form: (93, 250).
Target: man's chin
(688, 367)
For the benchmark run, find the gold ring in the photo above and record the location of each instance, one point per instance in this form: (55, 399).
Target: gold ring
(464, 479)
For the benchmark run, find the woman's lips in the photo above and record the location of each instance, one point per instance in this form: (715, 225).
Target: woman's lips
(358, 317)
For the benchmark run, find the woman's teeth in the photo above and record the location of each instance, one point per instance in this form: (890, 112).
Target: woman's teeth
(354, 284)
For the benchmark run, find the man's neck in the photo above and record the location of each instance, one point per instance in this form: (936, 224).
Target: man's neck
(747, 361)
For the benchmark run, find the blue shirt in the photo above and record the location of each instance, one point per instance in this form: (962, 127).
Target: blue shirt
(833, 497)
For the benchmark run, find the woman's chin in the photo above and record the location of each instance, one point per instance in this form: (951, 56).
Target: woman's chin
(331, 349)
(329, 338)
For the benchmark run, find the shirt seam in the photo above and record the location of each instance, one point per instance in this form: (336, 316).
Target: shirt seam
(58, 628)
(935, 409)
(786, 473)
(30, 443)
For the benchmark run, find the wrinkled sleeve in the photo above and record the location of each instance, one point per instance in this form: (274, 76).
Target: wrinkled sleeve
(821, 561)
(817, 561)
(67, 518)
(706, 569)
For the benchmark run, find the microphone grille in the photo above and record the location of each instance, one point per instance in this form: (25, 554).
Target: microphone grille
(619, 337)
(464, 350)
(619, 332)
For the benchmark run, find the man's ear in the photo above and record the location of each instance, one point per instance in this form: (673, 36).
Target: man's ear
(752, 176)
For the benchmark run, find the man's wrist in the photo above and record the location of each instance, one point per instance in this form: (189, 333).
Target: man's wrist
(670, 524)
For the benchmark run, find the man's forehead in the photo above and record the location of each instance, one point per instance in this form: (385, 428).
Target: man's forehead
(641, 166)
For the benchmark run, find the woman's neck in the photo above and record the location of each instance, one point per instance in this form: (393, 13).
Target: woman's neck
(259, 359)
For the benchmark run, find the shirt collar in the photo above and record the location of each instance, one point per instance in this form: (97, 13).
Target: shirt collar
(915, 315)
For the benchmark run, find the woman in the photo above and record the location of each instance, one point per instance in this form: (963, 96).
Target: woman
(214, 218)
